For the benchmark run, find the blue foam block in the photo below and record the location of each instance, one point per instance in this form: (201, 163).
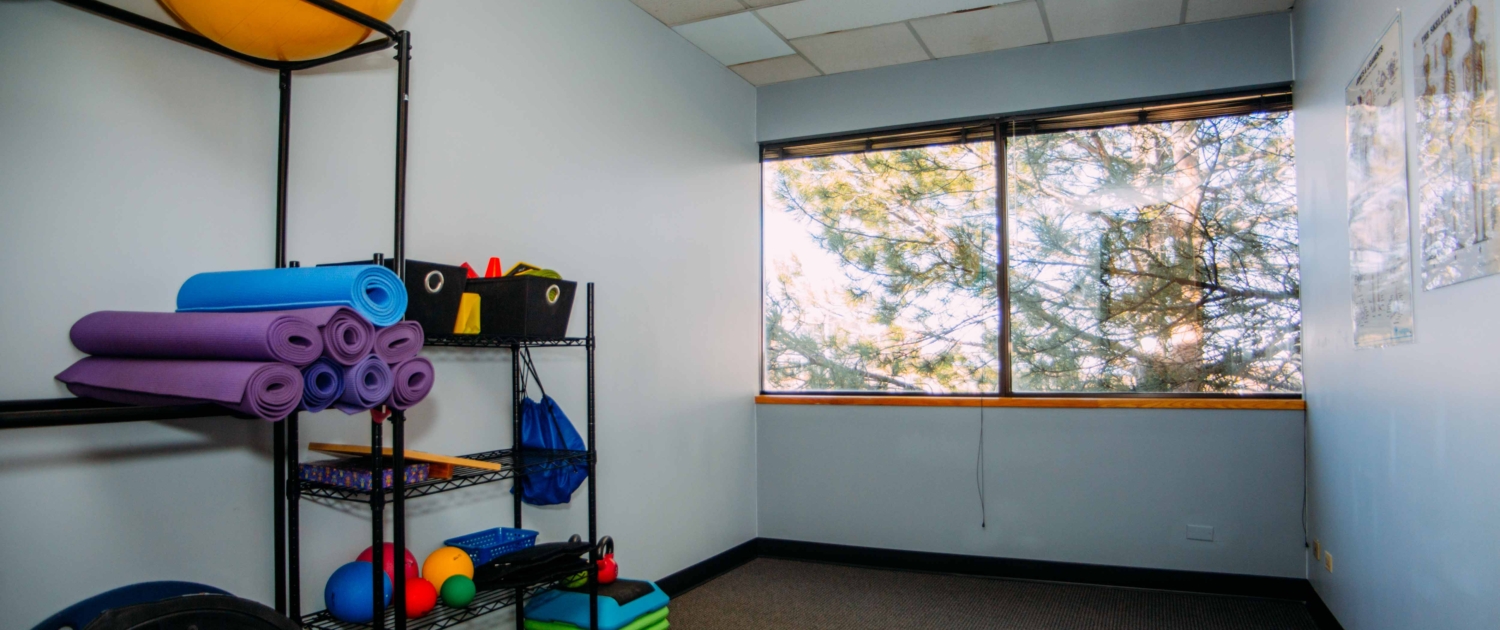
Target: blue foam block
(573, 608)
(372, 291)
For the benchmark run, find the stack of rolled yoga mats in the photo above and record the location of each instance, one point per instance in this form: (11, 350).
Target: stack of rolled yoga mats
(263, 343)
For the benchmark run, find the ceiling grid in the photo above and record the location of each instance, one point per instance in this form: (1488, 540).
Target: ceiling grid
(796, 39)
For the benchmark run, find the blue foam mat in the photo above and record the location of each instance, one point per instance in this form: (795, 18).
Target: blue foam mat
(374, 292)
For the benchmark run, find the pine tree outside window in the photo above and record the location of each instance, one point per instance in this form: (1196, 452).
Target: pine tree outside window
(1149, 251)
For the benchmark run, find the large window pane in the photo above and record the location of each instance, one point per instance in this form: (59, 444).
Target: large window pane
(880, 271)
(1156, 258)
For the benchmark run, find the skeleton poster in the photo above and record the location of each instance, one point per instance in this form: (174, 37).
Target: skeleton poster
(1457, 136)
(1379, 219)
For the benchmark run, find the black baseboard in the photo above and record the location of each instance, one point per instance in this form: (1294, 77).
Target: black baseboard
(1010, 568)
(694, 576)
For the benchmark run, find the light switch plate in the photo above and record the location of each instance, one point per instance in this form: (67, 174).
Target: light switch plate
(1200, 532)
(1328, 561)
(1318, 550)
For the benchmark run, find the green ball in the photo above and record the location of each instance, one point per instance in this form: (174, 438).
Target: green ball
(458, 591)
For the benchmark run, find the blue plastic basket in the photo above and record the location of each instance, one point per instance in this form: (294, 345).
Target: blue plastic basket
(492, 543)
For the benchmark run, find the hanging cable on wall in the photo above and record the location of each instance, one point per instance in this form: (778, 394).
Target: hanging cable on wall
(979, 473)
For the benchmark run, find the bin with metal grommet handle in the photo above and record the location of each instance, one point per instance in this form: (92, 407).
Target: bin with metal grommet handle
(523, 306)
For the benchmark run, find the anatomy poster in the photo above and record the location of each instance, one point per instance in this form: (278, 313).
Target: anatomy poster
(1379, 219)
(1457, 135)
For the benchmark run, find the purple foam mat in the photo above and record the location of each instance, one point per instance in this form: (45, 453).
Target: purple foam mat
(413, 381)
(398, 342)
(367, 385)
(322, 384)
(266, 390)
(347, 335)
(282, 337)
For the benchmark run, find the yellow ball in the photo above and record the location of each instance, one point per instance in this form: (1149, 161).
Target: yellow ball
(447, 562)
(283, 30)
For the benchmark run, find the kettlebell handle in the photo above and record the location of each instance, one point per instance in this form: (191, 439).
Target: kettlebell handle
(606, 546)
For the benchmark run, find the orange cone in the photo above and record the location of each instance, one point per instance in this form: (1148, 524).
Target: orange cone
(469, 271)
(493, 270)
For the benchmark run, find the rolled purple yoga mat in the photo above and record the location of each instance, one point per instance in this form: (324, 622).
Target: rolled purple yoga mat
(398, 342)
(322, 384)
(347, 336)
(266, 390)
(413, 380)
(283, 337)
(367, 385)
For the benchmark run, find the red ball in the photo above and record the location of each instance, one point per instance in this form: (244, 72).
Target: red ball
(420, 597)
(389, 556)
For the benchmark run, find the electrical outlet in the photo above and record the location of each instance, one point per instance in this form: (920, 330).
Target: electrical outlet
(1328, 561)
(1318, 551)
(1204, 533)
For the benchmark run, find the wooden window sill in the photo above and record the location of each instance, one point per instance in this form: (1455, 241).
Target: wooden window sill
(1276, 404)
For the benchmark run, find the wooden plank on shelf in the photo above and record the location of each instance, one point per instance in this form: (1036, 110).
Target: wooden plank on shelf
(416, 456)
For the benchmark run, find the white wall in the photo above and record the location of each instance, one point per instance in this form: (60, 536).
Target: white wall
(128, 163)
(1162, 62)
(583, 136)
(1404, 451)
(588, 138)
(1113, 487)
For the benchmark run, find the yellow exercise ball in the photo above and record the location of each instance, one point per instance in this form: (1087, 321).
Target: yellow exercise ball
(447, 562)
(282, 30)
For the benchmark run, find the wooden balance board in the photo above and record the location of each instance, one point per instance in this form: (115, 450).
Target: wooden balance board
(416, 456)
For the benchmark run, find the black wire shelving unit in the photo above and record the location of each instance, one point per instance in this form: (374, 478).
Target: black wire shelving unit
(516, 462)
(288, 489)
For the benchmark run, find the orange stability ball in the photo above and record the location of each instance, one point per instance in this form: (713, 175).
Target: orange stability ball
(282, 30)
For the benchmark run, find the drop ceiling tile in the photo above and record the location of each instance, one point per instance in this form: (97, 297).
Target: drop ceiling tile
(1201, 10)
(815, 17)
(674, 12)
(1074, 19)
(737, 38)
(862, 49)
(768, 71)
(995, 28)
(756, 4)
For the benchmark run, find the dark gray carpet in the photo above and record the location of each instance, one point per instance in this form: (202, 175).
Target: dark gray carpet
(789, 595)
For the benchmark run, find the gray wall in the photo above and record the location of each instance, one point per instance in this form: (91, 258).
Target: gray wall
(1146, 64)
(1405, 447)
(584, 136)
(1113, 487)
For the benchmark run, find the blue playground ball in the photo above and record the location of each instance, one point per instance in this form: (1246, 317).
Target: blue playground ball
(348, 595)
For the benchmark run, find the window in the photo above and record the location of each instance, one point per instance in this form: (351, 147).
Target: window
(1150, 250)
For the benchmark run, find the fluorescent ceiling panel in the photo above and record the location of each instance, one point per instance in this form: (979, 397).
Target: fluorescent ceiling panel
(768, 71)
(995, 28)
(734, 39)
(862, 49)
(815, 17)
(1075, 19)
(1200, 10)
(674, 12)
(756, 4)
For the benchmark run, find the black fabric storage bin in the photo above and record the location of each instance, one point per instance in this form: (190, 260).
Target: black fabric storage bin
(433, 293)
(523, 306)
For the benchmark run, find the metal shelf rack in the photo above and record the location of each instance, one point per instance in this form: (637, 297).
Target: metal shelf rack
(287, 487)
(515, 462)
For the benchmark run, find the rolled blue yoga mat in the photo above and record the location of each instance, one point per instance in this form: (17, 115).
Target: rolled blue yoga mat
(367, 385)
(322, 384)
(372, 291)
